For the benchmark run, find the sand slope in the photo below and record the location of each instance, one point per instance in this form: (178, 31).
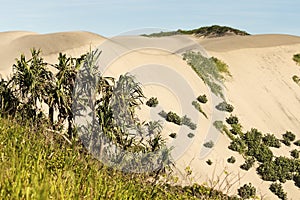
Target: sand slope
(13, 44)
(261, 90)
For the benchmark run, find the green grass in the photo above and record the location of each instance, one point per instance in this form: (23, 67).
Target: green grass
(36, 164)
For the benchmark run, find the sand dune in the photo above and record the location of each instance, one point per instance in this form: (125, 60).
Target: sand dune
(261, 89)
(13, 44)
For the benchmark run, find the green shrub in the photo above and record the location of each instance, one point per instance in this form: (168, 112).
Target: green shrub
(209, 144)
(232, 120)
(231, 159)
(297, 180)
(191, 135)
(297, 143)
(225, 107)
(202, 98)
(277, 189)
(248, 164)
(296, 79)
(188, 122)
(295, 153)
(198, 107)
(152, 102)
(236, 129)
(296, 58)
(173, 117)
(289, 136)
(209, 162)
(286, 142)
(173, 135)
(271, 141)
(247, 191)
(237, 145)
(222, 67)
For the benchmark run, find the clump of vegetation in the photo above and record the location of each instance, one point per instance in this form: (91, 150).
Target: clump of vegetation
(214, 31)
(209, 144)
(271, 141)
(202, 98)
(173, 117)
(289, 136)
(295, 153)
(207, 31)
(206, 70)
(188, 122)
(297, 143)
(198, 107)
(277, 189)
(152, 102)
(222, 67)
(232, 120)
(237, 145)
(296, 79)
(224, 106)
(231, 159)
(247, 191)
(173, 135)
(236, 129)
(248, 164)
(209, 162)
(191, 135)
(296, 58)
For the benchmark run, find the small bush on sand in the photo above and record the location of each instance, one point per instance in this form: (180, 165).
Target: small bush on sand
(232, 120)
(209, 144)
(198, 107)
(225, 107)
(295, 153)
(248, 164)
(202, 98)
(152, 102)
(289, 136)
(191, 135)
(296, 58)
(173, 117)
(297, 143)
(271, 141)
(231, 159)
(277, 189)
(247, 191)
(173, 135)
(209, 162)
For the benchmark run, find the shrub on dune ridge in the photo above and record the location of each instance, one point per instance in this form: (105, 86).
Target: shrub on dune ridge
(296, 58)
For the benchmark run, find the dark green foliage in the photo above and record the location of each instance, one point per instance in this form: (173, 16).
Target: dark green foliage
(209, 144)
(231, 159)
(295, 153)
(202, 98)
(296, 79)
(209, 162)
(173, 135)
(152, 102)
(282, 169)
(188, 122)
(248, 164)
(198, 107)
(247, 191)
(286, 142)
(289, 136)
(297, 180)
(214, 31)
(236, 129)
(297, 143)
(173, 117)
(237, 145)
(191, 135)
(232, 120)
(277, 189)
(256, 148)
(207, 31)
(296, 58)
(225, 107)
(271, 141)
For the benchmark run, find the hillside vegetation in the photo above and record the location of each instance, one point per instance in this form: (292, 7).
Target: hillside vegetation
(207, 31)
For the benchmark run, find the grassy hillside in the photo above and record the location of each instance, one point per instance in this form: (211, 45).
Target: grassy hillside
(207, 31)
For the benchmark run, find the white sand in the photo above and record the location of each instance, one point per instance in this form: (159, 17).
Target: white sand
(261, 90)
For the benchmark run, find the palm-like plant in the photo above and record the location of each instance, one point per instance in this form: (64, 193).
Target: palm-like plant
(33, 81)
(8, 101)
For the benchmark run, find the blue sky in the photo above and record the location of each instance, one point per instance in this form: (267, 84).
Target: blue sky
(113, 17)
